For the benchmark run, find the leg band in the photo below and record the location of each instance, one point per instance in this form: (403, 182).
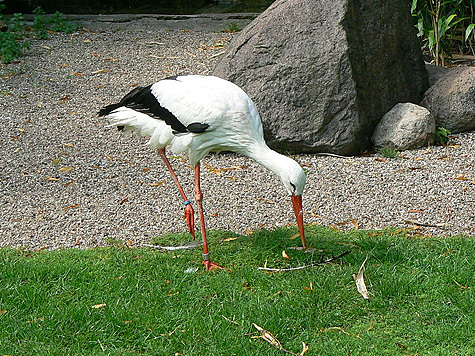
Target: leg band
(206, 257)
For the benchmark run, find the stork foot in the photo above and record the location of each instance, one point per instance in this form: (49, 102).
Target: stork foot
(190, 219)
(211, 265)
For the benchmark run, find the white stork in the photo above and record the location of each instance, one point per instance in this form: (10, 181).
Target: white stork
(198, 114)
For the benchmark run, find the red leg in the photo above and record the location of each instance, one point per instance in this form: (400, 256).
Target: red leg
(199, 201)
(189, 212)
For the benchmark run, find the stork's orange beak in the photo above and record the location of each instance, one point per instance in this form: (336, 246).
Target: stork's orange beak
(298, 210)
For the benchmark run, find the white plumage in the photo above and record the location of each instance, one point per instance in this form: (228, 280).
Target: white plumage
(198, 114)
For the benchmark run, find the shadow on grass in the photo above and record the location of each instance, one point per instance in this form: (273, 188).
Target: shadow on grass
(118, 301)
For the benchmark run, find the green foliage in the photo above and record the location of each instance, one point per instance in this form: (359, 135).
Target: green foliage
(11, 47)
(60, 24)
(40, 24)
(389, 152)
(444, 26)
(442, 136)
(469, 31)
(233, 27)
(57, 23)
(13, 42)
(16, 24)
(129, 301)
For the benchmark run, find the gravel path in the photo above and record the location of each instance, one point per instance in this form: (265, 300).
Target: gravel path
(66, 180)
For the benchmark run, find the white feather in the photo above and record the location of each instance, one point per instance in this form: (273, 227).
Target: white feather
(233, 119)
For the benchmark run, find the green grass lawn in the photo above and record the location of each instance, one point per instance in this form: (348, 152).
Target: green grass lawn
(127, 301)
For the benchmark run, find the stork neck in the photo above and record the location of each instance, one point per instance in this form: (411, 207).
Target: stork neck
(268, 158)
(289, 171)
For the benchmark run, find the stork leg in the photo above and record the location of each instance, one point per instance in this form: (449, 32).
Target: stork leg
(189, 212)
(199, 201)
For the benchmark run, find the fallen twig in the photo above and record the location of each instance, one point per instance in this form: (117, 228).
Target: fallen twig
(331, 155)
(217, 54)
(306, 266)
(231, 320)
(439, 225)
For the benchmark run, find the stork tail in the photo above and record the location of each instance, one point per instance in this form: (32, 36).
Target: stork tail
(126, 100)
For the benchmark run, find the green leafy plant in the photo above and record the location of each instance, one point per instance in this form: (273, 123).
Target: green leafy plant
(442, 136)
(40, 24)
(233, 27)
(438, 24)
(12, 41)
(11, 47)
(60, 24)
(389, 152)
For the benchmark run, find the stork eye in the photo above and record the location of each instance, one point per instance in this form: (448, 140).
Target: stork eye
(293, 186)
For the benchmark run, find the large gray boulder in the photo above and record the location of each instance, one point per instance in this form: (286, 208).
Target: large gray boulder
(452, 100)
(404, 127)
(324, 72)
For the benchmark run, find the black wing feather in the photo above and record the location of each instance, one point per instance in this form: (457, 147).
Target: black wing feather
(197, 127)
(141, 99)
(124, 102)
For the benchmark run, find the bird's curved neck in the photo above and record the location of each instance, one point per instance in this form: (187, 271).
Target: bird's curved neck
(267, 157)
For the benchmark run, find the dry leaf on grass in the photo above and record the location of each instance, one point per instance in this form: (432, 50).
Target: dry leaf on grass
(273, 341)
(98, 306)
(461, 286)
(328, 260)
(360, 284)
(229, 239)
(294, 236)
(268, 336)
(310, 287)
(341, 330)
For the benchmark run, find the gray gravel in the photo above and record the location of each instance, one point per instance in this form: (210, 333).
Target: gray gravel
(66, 180)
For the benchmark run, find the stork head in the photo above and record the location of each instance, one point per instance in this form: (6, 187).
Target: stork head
(293, 177)
(290, 173)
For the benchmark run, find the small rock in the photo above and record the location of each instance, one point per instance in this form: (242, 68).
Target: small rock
(404, 127)
(452, 100)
